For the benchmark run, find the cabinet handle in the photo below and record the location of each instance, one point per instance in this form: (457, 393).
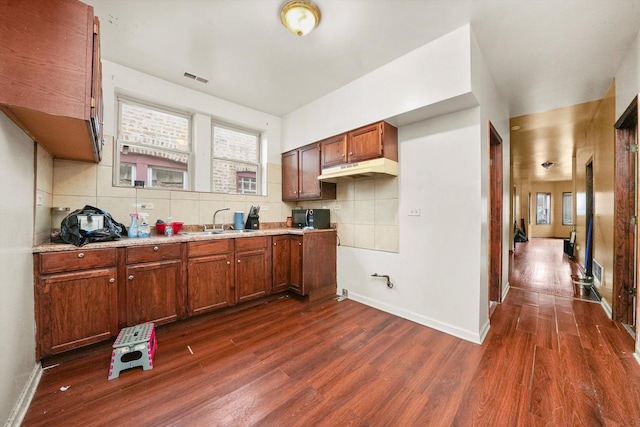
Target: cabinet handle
(342, 155)
(228, 262)
(275, 244)
(112, 280)
(238, 261)
(299, 244)
(350, 153)
(81, 255)
(131, 277)
(155, 249)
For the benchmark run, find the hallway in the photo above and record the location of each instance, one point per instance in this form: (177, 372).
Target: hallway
(540, 265)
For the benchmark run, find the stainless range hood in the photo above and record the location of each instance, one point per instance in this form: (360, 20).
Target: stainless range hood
(368, 168)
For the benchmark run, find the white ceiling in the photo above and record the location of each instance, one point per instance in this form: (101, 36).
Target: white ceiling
(543, 54)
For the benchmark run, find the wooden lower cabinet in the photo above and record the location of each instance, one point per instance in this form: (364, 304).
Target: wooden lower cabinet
(210, 276)
(253, 268)
(280, 259)
(154, 285)
(78, 307)
(85, 296)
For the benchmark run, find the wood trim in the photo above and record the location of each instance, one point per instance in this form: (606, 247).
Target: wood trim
(495, 214)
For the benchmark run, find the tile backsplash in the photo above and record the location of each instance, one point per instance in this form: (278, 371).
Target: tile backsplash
(365, 210)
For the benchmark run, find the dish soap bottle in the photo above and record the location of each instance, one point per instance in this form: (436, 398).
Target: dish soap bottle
(144, 229)
(133, 228)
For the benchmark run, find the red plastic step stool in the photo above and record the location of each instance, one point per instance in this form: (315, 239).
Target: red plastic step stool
(134, 346)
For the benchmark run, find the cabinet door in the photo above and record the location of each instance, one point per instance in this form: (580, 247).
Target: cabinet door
(309, 171)
(290, 175)
(365, 143)
(152, 292)
(280, 260)
(76, 309)
(295, 265)
(333, 151)
(253, 268)
(210, 283)
(96, 92)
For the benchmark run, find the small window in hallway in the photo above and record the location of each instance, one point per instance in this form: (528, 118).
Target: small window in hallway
(543, 208)
(567, 209)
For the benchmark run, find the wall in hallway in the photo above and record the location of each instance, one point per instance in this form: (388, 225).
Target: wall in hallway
(598, 146)
(556, 228)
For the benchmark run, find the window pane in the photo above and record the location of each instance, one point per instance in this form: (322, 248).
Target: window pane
(152, 140)
(152, 128)
(235, 144)
(567, 209)
(236, 160)
(228, 176)
(543, 208)
(167, 178)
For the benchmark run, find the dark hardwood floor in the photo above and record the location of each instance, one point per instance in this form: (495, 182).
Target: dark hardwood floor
(547, 360)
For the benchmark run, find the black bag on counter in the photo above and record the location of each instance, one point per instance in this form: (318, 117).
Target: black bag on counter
(89, 225)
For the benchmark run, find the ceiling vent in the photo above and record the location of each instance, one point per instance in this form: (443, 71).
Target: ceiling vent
(196, 78)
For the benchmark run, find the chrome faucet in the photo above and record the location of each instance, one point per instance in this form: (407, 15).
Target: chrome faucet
(214, 218)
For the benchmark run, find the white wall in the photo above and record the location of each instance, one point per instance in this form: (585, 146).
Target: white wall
(628, 77)
(17, 342)
(440, 270)
(436, 72)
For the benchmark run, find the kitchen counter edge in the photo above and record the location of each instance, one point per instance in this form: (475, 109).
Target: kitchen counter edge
(178, 238)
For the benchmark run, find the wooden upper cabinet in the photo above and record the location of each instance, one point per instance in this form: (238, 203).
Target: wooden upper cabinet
(290, 175)
(300, 171)
(51, 75)
(334, 150)
(365, 143)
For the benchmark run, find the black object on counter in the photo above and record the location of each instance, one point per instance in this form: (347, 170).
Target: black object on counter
(253, 222)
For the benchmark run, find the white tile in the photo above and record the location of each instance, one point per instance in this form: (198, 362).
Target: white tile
(386, 238)
(74, 178)
(184, 195)
(386, 212)
(345, 190)
(364, 236)
(144, 194)
(364, 189)
(106, 188)
(107, 151)
(119, 208)
(365, 213)
(346, 234)
(386, 188)
(346, 213)
(73, 202)
(44, 170)
(187, 211)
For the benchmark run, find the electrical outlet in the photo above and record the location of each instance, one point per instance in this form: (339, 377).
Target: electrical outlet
(146, 206)
(264, 208)
(414, 212)
(39, 200)
(336, 206)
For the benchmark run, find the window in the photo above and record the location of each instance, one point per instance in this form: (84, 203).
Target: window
(153, 145)
(567, 209)
(543, 208)
(236, 160)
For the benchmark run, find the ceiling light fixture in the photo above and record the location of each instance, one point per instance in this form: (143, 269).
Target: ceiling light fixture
(547, 165)
(300, 16)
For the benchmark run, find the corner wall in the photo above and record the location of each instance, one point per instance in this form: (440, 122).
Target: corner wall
(17, 336)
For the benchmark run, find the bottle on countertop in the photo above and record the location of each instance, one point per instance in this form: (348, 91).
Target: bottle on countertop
(133, 228)
(168, 229)
(144, 229)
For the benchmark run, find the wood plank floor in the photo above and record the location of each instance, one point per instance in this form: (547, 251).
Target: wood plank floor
(547, 360)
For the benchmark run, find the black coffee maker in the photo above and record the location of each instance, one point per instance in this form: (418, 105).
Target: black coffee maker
(253, 222)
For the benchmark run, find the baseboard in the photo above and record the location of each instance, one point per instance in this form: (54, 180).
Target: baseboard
(464, 334)
(29, 390)
(505, 291)
(607, 308)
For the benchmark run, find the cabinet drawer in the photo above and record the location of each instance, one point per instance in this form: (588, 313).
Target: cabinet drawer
(251, 243)
(152, 253)
(215, 247)
(76, 260)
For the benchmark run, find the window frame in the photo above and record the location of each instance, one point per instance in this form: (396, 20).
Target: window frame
(258, 164)
(567, 196)
(548, 214)
(119, 142)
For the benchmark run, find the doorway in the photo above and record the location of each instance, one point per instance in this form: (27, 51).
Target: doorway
(495, 215)
(626, 217)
